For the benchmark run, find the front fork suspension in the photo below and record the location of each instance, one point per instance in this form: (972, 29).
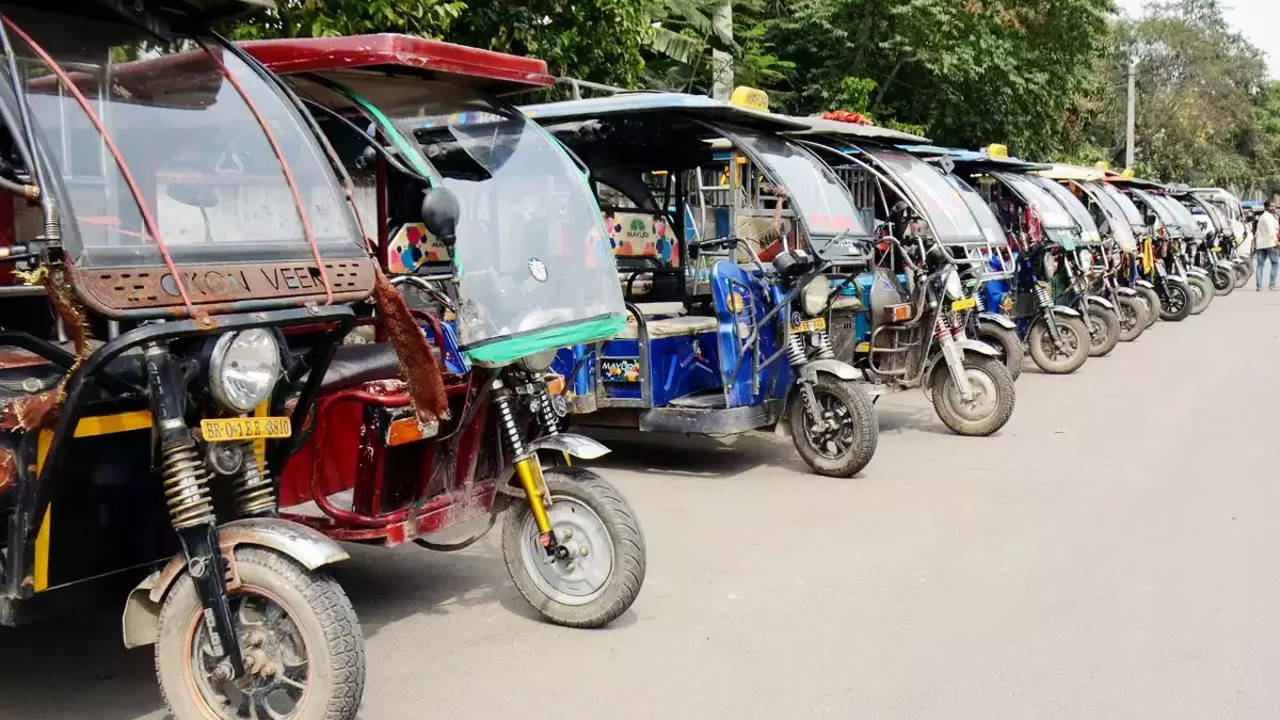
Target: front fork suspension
(186, 492)
(528, 470)
(954, 357)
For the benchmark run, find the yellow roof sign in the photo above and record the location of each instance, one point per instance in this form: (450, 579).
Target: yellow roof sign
(751, 98)
(998, 151)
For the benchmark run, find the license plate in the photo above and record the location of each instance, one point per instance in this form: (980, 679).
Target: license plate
(813, 325)
(250, 428)
(964, 304)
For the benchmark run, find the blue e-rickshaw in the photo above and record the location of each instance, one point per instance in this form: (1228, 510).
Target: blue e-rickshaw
(722, 230)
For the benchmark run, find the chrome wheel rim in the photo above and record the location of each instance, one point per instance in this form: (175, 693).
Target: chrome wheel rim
(985, 399)
(274, 686)
(582, 575)
(1064, 350)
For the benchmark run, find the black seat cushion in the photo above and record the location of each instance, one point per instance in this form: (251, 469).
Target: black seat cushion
(357, 364)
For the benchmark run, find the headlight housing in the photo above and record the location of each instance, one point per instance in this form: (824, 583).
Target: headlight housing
(244, 368)
(1086, 260)
(953, 286)
(539, 361)
(813, 298)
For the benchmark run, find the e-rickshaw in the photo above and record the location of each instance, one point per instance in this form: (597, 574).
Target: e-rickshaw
(1215, 243)
(1108, 263)
(1231, 207)
(183, 267)
(490, 230)
(1035, 224)
(911, 328)
(1173, 229)
(723, 233)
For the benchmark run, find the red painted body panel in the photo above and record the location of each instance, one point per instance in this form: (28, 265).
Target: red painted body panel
(494, 71)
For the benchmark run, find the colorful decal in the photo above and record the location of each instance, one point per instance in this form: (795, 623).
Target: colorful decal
(411, 247)
(636, 234)
(620, 370)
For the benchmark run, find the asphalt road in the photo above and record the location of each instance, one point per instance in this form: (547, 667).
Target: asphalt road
(1110, 554)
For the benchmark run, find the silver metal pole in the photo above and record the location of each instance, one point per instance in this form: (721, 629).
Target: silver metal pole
(1129, 120)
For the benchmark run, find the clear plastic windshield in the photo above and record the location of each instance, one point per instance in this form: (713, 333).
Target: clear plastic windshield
(1089, 233)
(1052, 214)
(1131, 212)
(1179, 218)
(982, 214)
(533, 258)
(1117, 222)
(948, 213)
(200, 158)
(815, 190)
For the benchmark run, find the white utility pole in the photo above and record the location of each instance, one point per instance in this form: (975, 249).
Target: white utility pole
(722, 62)
(1129, 120)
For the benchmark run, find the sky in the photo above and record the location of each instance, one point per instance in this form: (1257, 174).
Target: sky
(1258, 20)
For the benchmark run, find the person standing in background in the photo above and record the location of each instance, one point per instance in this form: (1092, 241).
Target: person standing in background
(1266, 237)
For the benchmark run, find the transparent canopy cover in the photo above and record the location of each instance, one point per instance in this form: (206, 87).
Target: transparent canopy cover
(992, 230)
(1117, 222)
(948, 213)
(202, 161)
(1052, 214)
(1089, 233)
(815, 190)
(532, 254)
(1131, 212)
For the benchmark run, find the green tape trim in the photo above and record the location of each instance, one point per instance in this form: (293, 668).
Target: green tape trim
(509, 350)
(407, 150)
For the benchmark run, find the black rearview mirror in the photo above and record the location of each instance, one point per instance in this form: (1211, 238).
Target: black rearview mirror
(193, 194)
(440, 211)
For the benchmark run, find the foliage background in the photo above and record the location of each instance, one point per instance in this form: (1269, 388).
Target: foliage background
(1046, 77)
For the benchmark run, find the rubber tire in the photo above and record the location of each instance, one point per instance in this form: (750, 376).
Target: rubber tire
(1224, 280)
(866, 421)
(329, 623)
(1039, 336)
(630, 559)
(1007, 342)
(1005, 393)
(1185, 311)
(1206, 297)
(1244, 271)
(1135, 307)
(1110, 323)
(1153, 303)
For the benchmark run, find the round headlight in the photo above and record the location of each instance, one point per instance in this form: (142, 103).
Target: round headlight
(955, 288)
(1086, 260)
(244, 368)
(539, 361)
(813, 298)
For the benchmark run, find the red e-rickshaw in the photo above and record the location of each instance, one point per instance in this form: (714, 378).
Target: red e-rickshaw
(492, 234)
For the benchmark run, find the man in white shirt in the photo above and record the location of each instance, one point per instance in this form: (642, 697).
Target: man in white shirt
(1265, 240)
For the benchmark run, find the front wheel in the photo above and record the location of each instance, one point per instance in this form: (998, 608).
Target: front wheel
(304, 654)
(1006, 342)
(1059, 358)
(603, 567)
(840, 442)
(1201, 293)
(1104, 329)
(1176, 302)
(1152, 301)
(990, 405)
(1224, 280)
(1244, 270)
(1133, 313)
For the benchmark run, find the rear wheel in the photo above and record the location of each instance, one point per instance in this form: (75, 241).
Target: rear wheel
(1006, 342)
(1175, 303)
(604, 564)
(842, 441)
(1104, 329)
(1059, 358)
(1133, 313)
(1224, 280)
(991, 402)
(304, 654)
(1201, 293)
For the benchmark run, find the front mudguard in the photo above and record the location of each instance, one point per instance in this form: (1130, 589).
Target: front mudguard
(966, 346)
(581, 447)
(1127, 292)
(1001, 320)
(1198, 272)
(1145, 284)
(809, 373)
(1099, 301)
(305, 546)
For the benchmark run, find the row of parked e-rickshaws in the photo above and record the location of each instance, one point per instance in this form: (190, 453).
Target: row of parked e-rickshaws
(263, 299)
